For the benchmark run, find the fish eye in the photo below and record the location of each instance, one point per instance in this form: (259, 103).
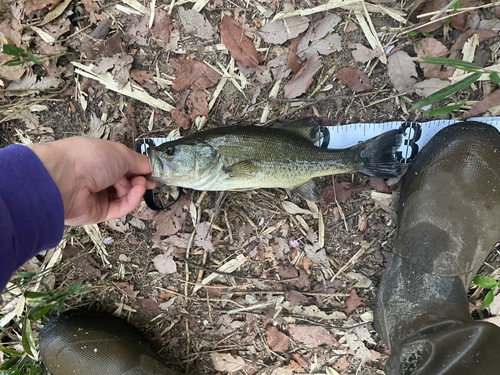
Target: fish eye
(170, 150)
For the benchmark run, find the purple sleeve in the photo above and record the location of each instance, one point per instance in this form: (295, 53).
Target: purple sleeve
(31, 209)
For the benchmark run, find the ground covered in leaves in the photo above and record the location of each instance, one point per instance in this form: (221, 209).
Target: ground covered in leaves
(259, 282)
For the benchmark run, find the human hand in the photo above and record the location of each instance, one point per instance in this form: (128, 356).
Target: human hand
(98, 180)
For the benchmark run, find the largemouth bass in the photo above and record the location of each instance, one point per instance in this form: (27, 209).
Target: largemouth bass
(251, 157)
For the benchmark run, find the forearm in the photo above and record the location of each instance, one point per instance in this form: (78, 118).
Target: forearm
(31, 209)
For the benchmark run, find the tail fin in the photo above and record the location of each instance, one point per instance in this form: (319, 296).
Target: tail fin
(378, 155)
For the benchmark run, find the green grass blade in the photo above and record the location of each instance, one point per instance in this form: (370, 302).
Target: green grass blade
(13, 50)
(489, 298)
(34, 59)
(447, 91)
(444, 110)
(459, 64)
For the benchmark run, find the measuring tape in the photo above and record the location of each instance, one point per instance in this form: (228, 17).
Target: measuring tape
(415, 135)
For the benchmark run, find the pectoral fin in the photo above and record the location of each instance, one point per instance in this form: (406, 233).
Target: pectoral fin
(243, 169)
(308, 191)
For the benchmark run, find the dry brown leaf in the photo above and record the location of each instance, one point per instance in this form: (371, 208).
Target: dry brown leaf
(128, 289)
(362, 223)
(162, 28)
(56, 12)
(165, 264)
(33, 5)
(489, 101)
(429, 87)
(353, 302)
(141, 76)
(378, 184)
(401, 70)
(180, 118)
(294, 367)
(433, 6)
(195, 23)
(351, 26)
(139, 30)
(278, 33)
(203, 237)
(239, 45)
(226, 362)
(356, 79)
(277, 341)
(343, 190)
(170, 221)
(342, 364)
(483, 35)
(293, 59)
(196, 104)
(364, 54)
(298, 299)
(461, 21)
(313, 336)
(430, 47)
(193, 74)
(303, 79)
(317, 41)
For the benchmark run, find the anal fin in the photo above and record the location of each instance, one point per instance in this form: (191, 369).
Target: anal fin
(308, 191)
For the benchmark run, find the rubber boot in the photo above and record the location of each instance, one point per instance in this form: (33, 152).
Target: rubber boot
(449, 221)
(89, 343)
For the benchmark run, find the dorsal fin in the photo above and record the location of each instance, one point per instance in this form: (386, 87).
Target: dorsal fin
(311, 128)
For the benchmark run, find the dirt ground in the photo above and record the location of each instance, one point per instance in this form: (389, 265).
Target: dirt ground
(301, 301)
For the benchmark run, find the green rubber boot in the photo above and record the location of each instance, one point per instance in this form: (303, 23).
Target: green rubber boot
(89, 343)
(449, 221)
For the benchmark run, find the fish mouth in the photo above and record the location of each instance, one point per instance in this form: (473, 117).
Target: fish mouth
(153, 158)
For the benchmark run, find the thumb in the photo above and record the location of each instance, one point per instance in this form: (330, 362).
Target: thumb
(124, 205)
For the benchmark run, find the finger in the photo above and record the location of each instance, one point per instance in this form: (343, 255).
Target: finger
(150, 184)
(122, 187)
(122, 206)
(137, 163)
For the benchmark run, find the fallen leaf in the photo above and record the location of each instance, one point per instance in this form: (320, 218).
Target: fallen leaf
(240, 46)
(170, 221)
(56, 12)
(196, 104)
(280, 248)
(341, 364)
(378, 184)
(141, 76)
(483, 35)
(489, 101)
(429, 87)
(195, 23)
(433, 6)
(382, 199)
(343, 190)
(401, 70)
(362, 223)
(193, 74)
(135, 222)
(306, 264)
(118, 225)
(33, 5)
(165, 263)
(304, 78)
(97, 128)
(353, 302)
(294, 367)
(351, 26)
(203, 237)
(288, 272)
(33, 83)
(316, 41)
(226, 362)
(364, 54)
(119, 66)
(293, 58)
(461, 21)
(356, 79)
(300, 360)
(355, 344)
(316, 254)
(128, 289)
(277, 341)
(361, 280)
(430, 47)
(180, 118)
(162, 28)
(279, 31)
(298, 299)
(139, 30)
(313, 336)
(293, 209)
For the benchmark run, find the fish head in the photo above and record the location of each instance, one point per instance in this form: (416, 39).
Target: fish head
(188, 165)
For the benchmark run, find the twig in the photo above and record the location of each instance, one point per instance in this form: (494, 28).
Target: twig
(354, 258)
(338, 204)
